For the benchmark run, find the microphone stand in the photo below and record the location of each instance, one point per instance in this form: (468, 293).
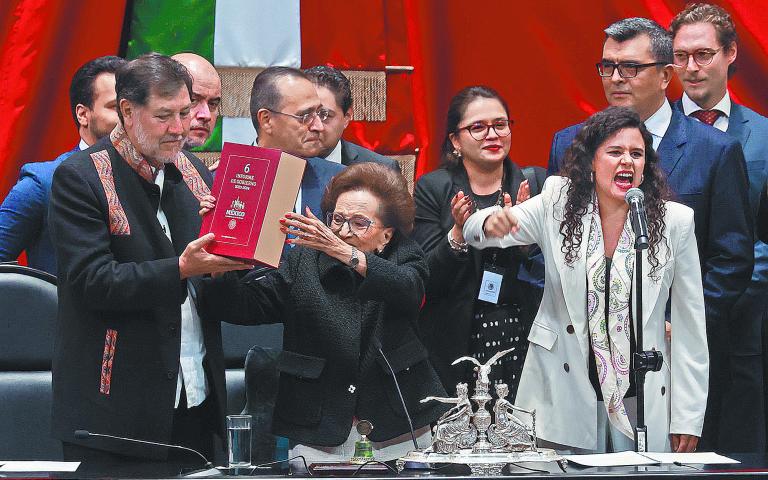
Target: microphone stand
(643, 361)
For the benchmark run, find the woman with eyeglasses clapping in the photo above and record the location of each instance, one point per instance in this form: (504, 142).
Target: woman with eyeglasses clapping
(459, 318)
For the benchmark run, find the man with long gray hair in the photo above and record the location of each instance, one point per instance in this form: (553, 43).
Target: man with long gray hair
(132, 357)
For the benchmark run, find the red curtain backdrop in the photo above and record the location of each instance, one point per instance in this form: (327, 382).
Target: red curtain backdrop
(365, 35)
(42, 43)
(539, 55)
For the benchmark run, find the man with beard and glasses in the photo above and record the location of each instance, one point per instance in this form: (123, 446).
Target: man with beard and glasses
(132, 357)
(24, 212)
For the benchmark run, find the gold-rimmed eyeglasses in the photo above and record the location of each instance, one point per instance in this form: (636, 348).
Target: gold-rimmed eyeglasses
(702, 57)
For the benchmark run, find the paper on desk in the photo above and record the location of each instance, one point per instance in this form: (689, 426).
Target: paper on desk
(618, 459)
(624, 459)
(695, 457)
(38, 466)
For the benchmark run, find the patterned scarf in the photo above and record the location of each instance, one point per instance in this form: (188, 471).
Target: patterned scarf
(148, 170)
(611, 342)
(118, 220)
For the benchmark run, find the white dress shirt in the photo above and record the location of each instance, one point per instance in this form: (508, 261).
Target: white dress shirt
(335, 155)
(82, 145)
(658, 123)
(191, 373)
(724, 105)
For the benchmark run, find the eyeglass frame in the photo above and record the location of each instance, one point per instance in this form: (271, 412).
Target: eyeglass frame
(688, 56)
(488, 127)
(329, 219)
(306, 119)
(618, 66)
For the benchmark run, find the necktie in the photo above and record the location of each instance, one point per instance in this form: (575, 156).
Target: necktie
(707, 116)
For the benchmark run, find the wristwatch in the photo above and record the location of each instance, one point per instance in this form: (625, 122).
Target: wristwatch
(353, 260)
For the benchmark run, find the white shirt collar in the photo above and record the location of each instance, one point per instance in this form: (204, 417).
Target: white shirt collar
(335, 155)
(658, 123)
(724, 105)
(82, 145)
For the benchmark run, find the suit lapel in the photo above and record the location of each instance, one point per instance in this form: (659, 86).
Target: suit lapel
(738, 125)
(574, 280)
(672, 145)
(348, 155)
(651, 291)
(310, 189)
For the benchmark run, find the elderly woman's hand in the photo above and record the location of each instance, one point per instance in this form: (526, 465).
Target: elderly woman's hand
(311, 232)
(207, 204)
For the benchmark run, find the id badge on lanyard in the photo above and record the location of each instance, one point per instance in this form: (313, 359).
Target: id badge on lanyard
(490, 285)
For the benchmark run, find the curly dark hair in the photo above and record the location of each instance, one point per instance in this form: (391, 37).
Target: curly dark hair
(396, 207)
(581, 188)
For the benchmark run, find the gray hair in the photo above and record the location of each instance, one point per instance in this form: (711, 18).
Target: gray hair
(151, 73)
(629, 28)
(265, 94)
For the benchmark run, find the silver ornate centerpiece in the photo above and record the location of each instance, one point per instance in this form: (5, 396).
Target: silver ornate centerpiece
(474, 438)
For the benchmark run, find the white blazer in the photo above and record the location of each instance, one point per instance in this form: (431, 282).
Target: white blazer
(555, 378)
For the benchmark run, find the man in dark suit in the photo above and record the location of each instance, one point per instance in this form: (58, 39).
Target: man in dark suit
(705, 48)
(335, 93)
(706, 171)
(288, 115)
(24, 212)
(132, 357)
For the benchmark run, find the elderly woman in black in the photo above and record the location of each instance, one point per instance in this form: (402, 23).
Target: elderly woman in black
(353, 283)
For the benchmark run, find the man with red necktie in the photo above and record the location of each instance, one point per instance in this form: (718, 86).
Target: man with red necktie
(704, 49)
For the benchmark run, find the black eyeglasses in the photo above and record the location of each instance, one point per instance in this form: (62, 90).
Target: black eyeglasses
(357, 224)
(626, 70)
(702, 57)
(307, 118)
(479, 130)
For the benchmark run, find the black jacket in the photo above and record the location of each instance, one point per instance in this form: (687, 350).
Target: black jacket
(451, 292)
(330, 369)
(128, 283)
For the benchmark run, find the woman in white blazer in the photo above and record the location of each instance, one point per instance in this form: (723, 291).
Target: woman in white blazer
(579, 349)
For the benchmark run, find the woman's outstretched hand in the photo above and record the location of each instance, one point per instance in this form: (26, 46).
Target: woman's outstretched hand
(500, 223)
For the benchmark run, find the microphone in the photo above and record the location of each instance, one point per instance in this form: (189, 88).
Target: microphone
(634, 198)
(83, 434)
(377, 346)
